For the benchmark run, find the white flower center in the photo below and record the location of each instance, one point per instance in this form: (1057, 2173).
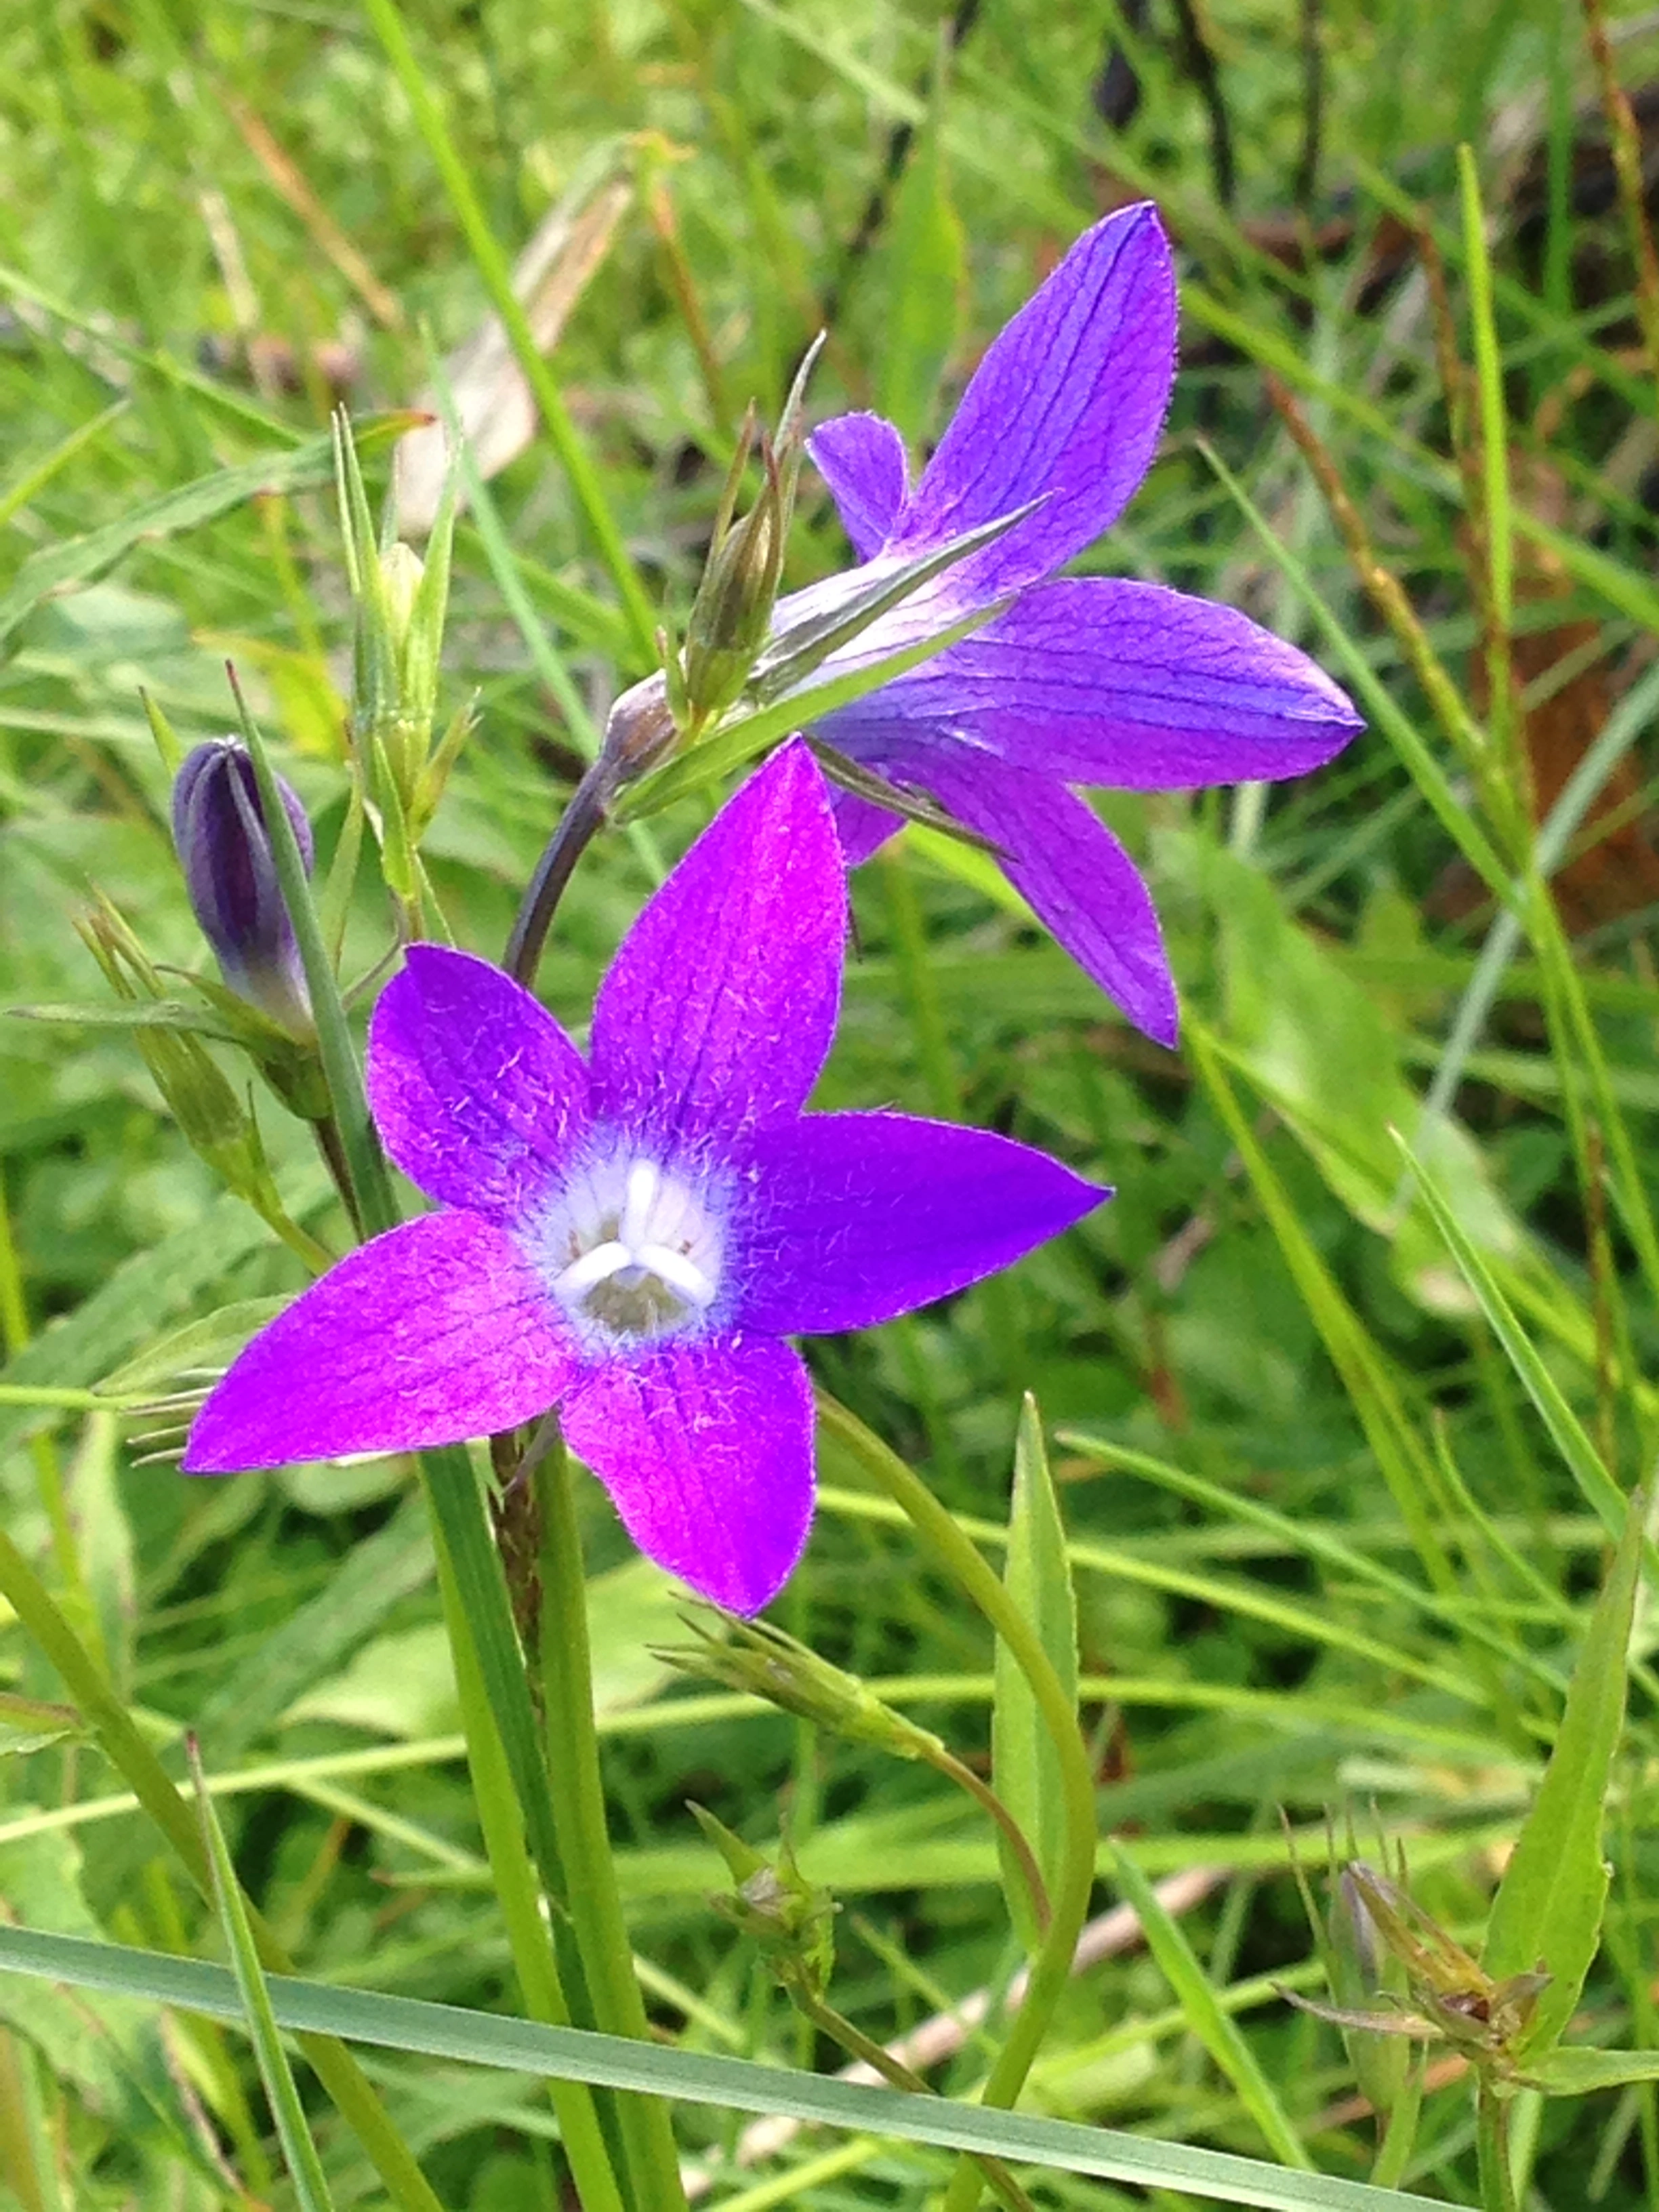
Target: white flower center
(632, 1250)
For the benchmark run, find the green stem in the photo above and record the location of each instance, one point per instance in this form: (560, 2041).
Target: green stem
(573, 1754)
(1492, 2149)
(150, 1782)
(946, 1763)
(1399, 2133)
(492, 266)
(966, 1565)
(315, 1258)
(897, 2075)
(534, 1957)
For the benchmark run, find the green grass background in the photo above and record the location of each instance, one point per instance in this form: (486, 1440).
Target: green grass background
(1330, 1556)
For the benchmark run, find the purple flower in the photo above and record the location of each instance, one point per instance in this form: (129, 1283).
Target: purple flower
(219, 829)
(632, 1237)
(1090, 680)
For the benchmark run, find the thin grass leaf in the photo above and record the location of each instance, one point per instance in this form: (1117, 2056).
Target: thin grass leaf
(1568, 1432)
(729, 2084)
(299, 2153)
(77, 561)
(1216, 2030)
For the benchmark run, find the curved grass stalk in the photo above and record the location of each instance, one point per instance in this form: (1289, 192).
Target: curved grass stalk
(965, 1563)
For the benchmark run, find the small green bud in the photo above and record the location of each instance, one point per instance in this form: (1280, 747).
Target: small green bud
(1363, 1974)
(756, 1657)
(401, 573)
(1382, 1939)
(401, 602)
(211, 1118)
(792, 1919)
(733, 611)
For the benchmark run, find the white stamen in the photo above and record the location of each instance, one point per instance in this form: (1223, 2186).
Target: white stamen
(598, 1266)
(634, 1250)
(643, 1182)
(679, 1273)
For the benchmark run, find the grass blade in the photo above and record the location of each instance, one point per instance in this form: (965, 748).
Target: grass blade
(1216, 2030)
(1568, 1432)
(731, 2084)
(299, 2150)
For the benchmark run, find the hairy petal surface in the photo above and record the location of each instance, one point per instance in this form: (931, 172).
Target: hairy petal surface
(1067, 406)
(434, 1332)
(858, 1217)
(718, 1011)
(862, 460)
(707, 1451)
(479, 1095)
(1080, 883)
(1102, 680)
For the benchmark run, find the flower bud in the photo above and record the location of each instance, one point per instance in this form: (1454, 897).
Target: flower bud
(219, 829)
(733, 610)
(765, 1662)
(1363, 1974)
(401, 602)
(791, 1918)
(197, 1093)
(402, 571)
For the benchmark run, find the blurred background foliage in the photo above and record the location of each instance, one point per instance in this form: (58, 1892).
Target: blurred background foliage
(1331, 1556)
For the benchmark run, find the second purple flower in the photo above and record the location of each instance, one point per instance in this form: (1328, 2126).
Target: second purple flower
(1085, 680)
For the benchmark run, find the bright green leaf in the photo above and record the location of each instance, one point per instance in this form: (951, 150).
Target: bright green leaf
(1024, 1765)
(1549, 1904)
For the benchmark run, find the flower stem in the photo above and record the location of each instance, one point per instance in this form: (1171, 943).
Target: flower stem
(315, 1258)
(572, 1755)
(132, 1758)
(534, 1956)
(580, 824)
(986, 1797)
(1492, 2149)
(898, 2075)
(967, 1567)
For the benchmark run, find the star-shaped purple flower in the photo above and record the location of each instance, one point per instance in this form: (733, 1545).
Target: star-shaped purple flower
(1089, 680)
(631, 1236)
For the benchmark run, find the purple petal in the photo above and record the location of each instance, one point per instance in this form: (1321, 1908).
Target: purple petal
(436, 1331)
(479, 1095)
(1081, 883)
(862, 827)
(1104, 681)
(859, 1217)
(1067, 406)
(862, 460)
(707, 1451)
(219, 829)
(718, 1011)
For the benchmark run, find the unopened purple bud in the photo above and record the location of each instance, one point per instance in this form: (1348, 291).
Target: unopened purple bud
(219, 828)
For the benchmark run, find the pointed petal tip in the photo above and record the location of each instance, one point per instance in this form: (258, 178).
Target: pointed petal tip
(719, 1008)
(707, 1451)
